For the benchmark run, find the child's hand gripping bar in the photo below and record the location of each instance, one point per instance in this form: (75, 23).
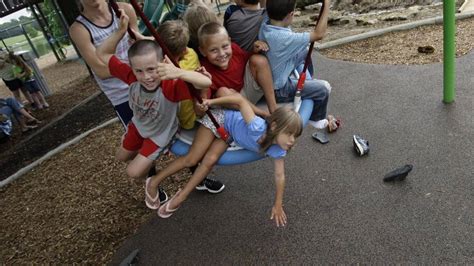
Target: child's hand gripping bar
(302, 78)
(222, 132)
(116, 9)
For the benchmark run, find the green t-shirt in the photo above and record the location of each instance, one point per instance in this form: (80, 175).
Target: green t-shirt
(18, 70)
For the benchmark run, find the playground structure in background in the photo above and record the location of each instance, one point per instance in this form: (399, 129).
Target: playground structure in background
(158, 11)
(37, 45)
(19, 38)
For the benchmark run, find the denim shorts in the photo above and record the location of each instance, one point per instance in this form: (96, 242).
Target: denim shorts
(32, 86)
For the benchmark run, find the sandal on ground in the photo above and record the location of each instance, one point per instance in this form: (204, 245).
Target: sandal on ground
(333, 123)
(320, 136)
(152, 203)
(164, 211)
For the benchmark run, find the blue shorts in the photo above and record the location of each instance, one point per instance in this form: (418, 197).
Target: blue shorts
(124, 113)
(32, 86)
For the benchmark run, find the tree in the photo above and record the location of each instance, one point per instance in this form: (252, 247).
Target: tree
(31, 31)
(54, 22)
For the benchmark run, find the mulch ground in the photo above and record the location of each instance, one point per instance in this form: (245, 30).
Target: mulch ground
(83, 118)
(78, 206)
(401, 48)
(69, 84)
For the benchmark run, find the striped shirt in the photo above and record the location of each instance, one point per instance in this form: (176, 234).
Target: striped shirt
(6, 72)
(114, 89)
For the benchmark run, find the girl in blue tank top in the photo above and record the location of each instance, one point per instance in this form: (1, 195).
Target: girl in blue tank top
(273, 137)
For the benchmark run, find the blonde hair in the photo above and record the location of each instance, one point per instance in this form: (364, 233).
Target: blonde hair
(196, 15)
(283, 120)
(175, 35)
(207, 29)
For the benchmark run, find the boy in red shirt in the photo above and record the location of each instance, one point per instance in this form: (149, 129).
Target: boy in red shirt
(154, 93)
(233, 69)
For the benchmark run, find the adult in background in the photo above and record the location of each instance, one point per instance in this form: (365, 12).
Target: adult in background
(96, 23)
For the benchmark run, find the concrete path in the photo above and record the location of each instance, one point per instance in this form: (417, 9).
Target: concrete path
(467, 6)
(339, 209)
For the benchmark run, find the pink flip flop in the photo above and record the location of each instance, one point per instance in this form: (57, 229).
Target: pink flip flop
(152, 203)
(164, 211)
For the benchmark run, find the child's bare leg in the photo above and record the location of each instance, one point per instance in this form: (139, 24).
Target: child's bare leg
(262, 73)
(37, 101)
(203, 139)
(27, 94)
(125, 155)
(218, 147)
(138, 168)
(41, 99)
(17, 95)
(21, 121)
(28, 115)
(226, 91)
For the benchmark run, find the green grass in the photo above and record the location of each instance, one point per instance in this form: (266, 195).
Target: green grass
(19, 43)
(16, 39)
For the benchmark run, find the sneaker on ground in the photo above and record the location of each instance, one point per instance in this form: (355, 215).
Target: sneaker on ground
(211, 185)
(163, 196)
(360, 145)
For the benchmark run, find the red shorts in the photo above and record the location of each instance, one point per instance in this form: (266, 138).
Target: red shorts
(133, 141)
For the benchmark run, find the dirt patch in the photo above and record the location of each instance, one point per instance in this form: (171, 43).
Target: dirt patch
(392, 48)
(402, 47)
(80, 120)
(76, 207)
(69, 83)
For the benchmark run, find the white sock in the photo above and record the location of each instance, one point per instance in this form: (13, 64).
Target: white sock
(323, 123)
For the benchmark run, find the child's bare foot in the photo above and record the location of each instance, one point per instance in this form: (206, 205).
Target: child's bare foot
(165, 211)
(33, 121)
(28, 128)
(152, 198)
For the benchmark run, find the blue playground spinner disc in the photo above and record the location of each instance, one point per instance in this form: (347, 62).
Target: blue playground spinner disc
(234, 154)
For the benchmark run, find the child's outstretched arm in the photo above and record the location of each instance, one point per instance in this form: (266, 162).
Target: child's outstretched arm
(322, 24)
(278, 214)
(167, 70)
(107, 49)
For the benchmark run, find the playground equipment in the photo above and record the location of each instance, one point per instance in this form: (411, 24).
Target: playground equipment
(153, 10)
(449, 51)
(233, 155)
